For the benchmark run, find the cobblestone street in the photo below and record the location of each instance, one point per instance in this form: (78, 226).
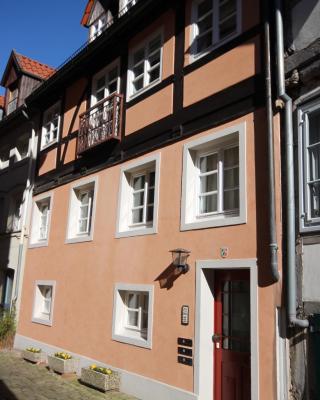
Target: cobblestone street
(21, 380)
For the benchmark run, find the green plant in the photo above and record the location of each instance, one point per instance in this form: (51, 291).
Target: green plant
(7, 325)
(63, 355)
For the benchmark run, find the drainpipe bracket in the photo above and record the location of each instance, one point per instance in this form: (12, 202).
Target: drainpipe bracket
(279, 103)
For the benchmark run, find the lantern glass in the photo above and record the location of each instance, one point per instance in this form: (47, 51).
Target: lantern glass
(179, 257)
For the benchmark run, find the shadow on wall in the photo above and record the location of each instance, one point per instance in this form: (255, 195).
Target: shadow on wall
(168, 276)
(6, 394)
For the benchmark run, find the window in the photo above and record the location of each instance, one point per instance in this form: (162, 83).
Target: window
(15, 212)
(50, 128)
(125, 5)
(41, 217)
(132, 314)
(105, 83)
(213, 184)
(43, 302)
(139, 193)
(214, 21)
(81, 212)
(13, 100)
(309, 151)
(145, 65)
(98, 26)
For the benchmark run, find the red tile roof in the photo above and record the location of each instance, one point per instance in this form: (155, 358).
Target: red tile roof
(33, 67)
(1, 101)
(87, 13)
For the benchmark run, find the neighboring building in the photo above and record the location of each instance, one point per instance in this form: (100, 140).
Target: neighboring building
(153, 138)
(303, 85)
(17, 158)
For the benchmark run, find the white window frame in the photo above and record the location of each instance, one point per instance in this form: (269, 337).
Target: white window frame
(52, 140)
(190, 218)
(146, 85)
(38, 302)
(307, 223)
(104, 73)
(125, 227)
(35, 240)
(97, 26)
(194, 54)
(73, 234)
(121, 332)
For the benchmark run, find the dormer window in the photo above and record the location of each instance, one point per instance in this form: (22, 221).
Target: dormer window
(12, 100)
(98, 26)
(125, 5)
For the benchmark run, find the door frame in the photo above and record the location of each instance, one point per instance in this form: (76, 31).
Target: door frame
(204, 322)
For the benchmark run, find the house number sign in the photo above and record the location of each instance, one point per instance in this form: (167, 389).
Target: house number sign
(185, 315)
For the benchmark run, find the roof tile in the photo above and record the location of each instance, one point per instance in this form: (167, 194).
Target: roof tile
(34, 67)
(1, 101)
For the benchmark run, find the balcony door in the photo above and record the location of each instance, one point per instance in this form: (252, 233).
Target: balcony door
(105, 83)
(231, 335)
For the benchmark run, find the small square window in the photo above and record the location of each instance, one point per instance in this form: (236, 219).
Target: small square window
(145, 65)
(81, 212)
(51, 126)
(43, 302)
(132, 314)
(214, 22)
(213, 184)
(41, 217)
(139, 192)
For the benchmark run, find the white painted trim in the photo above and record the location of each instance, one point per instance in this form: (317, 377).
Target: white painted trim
(77, 186)
(47, 111)
(44, 283)
(34, 224)
(188, 206)
(133, 384)
(143, 44)
(124, 338)
(123, 229)
(204, 322)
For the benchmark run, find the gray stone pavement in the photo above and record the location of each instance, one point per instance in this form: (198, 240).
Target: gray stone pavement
(21, 380)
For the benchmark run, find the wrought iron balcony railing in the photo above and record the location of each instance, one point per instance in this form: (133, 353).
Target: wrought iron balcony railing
(100, 123)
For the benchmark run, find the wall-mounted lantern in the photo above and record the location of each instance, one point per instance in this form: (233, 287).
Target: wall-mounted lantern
(179, 259)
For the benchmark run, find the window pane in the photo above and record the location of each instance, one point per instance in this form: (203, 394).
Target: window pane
(133, 300)
(314, 155)
(154, 59)
(138, 56)
(314, 198)
(227, 8)
(112, 87)
(231, 157)
(113, 74)
(228, 27)
(154, 74)
(208, 163)
(231, 178)
(154, 44)
(208, 204)
(83, 225)
(205, 24)
(150, 196)
(144, 320)
(314, 128)
(133, 317)
(208, 183)
(149, 213)
(84, 211)
(138, 199)
(151, 178)
(139, 182)
(138, 84)
(138, 70)
(137, 216)
(101, 83)
(204, 42)
(204, 7)
(231, 200)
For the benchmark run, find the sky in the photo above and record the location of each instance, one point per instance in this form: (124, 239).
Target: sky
(47, 31)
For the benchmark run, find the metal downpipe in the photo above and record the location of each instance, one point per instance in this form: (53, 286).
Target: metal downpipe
(273, 246)
(291, 229)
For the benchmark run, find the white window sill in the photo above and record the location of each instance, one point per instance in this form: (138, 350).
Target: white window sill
(42, 321)
(48, 144)
(137, 232)
(143, 90)
(79, 239)
(213, 222)
(131, 340)
(39, 243)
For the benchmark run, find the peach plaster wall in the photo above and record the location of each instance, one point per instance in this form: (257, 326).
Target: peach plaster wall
(86, 272)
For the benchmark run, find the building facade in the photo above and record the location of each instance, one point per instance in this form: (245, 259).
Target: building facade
(153, 143)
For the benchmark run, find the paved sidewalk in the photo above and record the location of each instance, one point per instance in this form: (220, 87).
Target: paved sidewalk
(21, 380)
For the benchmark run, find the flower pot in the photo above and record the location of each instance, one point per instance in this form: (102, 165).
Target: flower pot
(63, 366)
(31, 356)
(99, 380)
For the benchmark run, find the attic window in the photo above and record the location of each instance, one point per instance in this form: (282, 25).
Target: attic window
(98, 26)
(13, 100)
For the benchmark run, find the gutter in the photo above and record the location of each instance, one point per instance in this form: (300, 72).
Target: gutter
(290, 195)
(273, 246)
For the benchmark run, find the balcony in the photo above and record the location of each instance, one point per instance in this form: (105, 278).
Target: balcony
(101, 123)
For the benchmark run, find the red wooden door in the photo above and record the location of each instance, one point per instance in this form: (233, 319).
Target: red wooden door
(232, 335)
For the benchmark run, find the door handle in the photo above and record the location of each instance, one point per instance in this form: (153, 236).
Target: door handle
(216, 338)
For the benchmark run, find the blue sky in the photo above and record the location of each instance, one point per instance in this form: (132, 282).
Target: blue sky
(47, 31)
